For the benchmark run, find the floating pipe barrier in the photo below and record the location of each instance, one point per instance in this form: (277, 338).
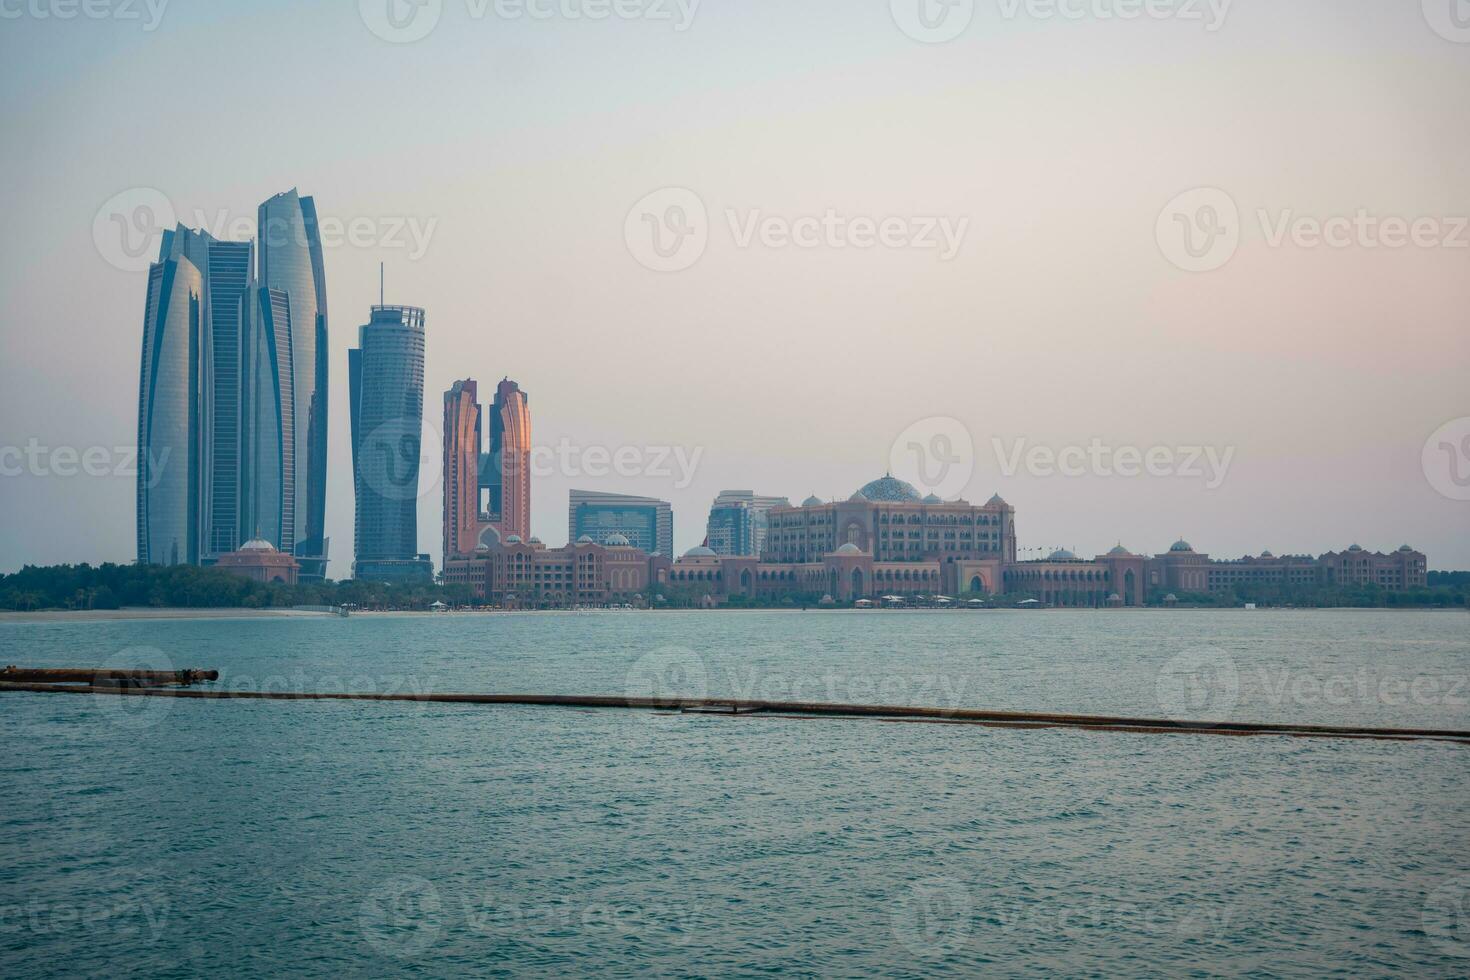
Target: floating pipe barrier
(773, 709)
(85, 675)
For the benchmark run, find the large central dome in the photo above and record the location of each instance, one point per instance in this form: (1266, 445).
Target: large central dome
(890, 489)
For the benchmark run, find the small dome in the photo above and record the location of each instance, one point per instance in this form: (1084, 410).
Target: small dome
(857, 497)
(1171, 597)
(514, 539)
(1114, 597)
(533, 541)
(1119, 551)
(616, 541)
(888, 489)
(933, 498)
(1180, 546)
(1061, 554)
(700, 552)
(996, 501)
(1404, 547)
(586, 539)
(1355, 547)
(257, 544)
(848, 549)
(812, 501)
(1267, 554)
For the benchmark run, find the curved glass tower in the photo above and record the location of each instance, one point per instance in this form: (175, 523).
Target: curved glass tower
(169, 411)
(290, 262)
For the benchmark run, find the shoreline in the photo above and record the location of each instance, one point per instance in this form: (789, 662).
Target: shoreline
(144, 614)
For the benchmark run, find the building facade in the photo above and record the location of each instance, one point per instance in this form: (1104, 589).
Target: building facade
(260, 561)
(647, 523)
(461, 481)
(289, 259)
(506, 471)
(887, 540)
(525, 574)
(386, 393)
(169, 412)
(234, 355)
(738, 520)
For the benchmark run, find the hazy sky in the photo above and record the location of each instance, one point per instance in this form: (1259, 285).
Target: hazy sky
(1048, 141)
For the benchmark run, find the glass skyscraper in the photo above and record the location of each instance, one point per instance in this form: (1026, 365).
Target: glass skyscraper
(386, 390)
(737, 523)
(232, 393)
(647, 523)
(290, 260)
(169, 411)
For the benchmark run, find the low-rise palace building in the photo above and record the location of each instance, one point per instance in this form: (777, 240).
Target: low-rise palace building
(888, 540)
(259, 560)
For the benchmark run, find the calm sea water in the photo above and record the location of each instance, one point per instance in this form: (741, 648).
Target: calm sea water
(175, 838)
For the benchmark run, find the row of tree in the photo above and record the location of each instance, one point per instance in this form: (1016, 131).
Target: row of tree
(187, 586)
(111, 586)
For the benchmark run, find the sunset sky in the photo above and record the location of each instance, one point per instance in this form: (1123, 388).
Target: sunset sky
(517, 148)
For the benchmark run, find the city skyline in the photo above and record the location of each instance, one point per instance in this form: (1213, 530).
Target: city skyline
(1326, 369)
